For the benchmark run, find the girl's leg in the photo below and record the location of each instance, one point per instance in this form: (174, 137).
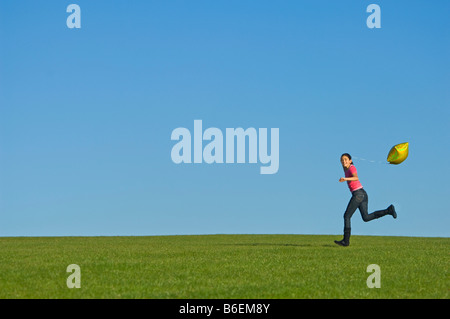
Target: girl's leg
(363, 209)
(351, 208)
(353, 204)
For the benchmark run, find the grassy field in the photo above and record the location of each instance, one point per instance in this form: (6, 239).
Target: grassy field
(224, 266)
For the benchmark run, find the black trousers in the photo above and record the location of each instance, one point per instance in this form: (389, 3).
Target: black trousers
(360, 200)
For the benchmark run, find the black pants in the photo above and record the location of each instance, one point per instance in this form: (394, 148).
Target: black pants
(360, 200)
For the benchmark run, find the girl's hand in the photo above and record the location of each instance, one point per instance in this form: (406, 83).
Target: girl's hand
(342, 179)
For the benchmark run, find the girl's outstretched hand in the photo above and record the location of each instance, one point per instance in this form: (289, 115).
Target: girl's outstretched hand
(342, 179)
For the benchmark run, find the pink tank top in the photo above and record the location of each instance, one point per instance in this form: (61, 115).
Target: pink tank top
(352, 185)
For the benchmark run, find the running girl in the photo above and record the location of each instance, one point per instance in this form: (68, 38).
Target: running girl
(359, 199)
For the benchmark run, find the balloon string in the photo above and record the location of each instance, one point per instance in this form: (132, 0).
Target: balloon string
(371, 161)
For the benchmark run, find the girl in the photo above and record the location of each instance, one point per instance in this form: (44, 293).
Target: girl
(359, 199)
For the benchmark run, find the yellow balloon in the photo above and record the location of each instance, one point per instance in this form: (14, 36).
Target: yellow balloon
(398, 153)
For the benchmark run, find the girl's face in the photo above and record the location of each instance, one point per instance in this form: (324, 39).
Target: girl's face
(346, 162)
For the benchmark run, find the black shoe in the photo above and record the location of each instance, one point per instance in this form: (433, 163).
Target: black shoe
(341, 243)
(392, 211)
(346, 240)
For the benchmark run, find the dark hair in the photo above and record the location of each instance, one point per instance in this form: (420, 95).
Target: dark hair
(348, 155)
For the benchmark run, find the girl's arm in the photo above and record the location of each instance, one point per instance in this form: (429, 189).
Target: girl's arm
(353, 178)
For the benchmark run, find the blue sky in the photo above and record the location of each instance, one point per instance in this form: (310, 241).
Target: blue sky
(86, 115)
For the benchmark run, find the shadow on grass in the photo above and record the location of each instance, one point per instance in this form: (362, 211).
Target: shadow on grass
(282, 245)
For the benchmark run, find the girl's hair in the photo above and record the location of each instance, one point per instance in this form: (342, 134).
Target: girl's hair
(348, 155)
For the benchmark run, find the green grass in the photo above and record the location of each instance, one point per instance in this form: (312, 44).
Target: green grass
(224, 266)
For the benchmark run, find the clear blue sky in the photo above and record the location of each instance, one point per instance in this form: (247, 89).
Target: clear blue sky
(86, 115)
